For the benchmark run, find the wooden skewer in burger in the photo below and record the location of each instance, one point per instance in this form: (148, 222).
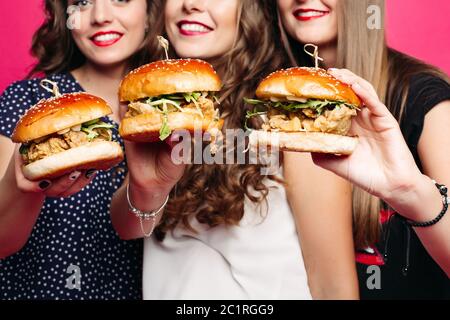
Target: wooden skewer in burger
(65, 133)
(305, 110)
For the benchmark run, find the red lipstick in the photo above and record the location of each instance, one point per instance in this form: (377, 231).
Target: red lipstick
(309, 14)
(106, 38)
(193, 28)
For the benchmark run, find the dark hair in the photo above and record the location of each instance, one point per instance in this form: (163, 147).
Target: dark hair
(55, 49)
(215, 194)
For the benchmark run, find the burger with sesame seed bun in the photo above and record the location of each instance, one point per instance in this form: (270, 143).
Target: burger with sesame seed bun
(65, 133)
(169, 95)
(304, 110)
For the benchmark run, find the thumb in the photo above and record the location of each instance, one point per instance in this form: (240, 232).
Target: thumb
(22, 182)
(331, 162)
(173, 140)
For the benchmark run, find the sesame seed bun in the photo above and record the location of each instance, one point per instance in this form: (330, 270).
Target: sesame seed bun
(49, 116)
(99, 155)
(145, 127)
(317, 142)
(307, 83)
(169, 76)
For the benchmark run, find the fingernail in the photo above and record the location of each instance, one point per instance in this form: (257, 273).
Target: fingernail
(356, 86)
(74, 175)
(44, 184)
(332, 69)
(90, 173)
(174, 137)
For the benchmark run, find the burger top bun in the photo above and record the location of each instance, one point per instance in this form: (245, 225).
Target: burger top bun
(307, 83)
(55, 114)
(169, 76)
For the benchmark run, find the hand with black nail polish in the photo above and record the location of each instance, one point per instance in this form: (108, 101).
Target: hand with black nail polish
(89, 173)
(44, 184)
(64, 186)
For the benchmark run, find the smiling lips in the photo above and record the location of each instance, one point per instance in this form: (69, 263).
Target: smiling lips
(309, 14)
(107, 38)
(193, 28)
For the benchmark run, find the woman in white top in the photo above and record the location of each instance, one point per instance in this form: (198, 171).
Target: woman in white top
(229, 232)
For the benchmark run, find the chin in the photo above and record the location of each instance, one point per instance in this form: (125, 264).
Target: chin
(315, 39)
(109, 60)
(191, 53)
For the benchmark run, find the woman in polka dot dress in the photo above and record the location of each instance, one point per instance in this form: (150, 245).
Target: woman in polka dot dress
(56, 237)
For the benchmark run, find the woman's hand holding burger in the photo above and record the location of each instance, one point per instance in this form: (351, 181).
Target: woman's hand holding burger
(61, 187)
(163, 97)
(381, 163)
(63, 142)
(152, 174)
(22, 200)
(152, 169)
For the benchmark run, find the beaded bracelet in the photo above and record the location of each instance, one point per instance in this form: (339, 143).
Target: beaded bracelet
(145, 215)
(445, 200)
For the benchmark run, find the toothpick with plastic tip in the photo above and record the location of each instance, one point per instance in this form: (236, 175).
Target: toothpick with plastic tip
(314, 54)
(53, 90)
(163, 42)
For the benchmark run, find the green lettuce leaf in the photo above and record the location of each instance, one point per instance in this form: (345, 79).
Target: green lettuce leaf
(293, 106)
(165, 131)
(89, 129)
(24, 149)
(176, 100)
(250, 114)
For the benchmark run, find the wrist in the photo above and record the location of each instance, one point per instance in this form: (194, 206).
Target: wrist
(419, 201)
(9, 178)
(149, 209)
(151, 186)
(149, 197)
(406, 190)
(9, 184)
(443, 191)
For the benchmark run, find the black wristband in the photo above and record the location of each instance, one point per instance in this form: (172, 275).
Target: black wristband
(443, 191)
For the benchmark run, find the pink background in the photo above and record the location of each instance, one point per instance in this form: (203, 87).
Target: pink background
(419, 28)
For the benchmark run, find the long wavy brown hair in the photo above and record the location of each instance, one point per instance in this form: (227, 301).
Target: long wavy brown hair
(214, 194)
(55, 49)
(365, 52)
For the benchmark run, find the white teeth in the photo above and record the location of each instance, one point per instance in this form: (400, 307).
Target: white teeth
(310, 14)
(194, 27)
(106, 37)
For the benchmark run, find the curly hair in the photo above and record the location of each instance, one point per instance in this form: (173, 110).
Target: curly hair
(214, 194)
(55, 49)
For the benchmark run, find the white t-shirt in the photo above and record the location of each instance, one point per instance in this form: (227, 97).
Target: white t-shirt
(259, 259)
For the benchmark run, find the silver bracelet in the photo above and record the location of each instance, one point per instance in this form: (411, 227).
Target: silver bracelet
(145, 215)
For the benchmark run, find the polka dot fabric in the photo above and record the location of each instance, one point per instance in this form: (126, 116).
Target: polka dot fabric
(73, 251)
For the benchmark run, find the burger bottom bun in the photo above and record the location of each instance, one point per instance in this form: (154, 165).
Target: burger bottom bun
(304, 142)
(145, 127)
(100, 155)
